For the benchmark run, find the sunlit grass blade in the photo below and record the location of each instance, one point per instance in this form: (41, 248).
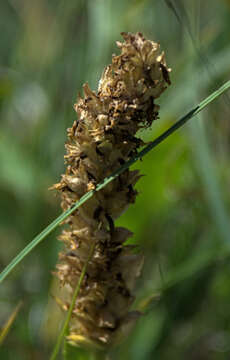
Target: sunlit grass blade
(6, 327)
(110, 178)
(64, 330)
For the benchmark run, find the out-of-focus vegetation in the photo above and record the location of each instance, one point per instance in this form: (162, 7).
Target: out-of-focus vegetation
(181, 218)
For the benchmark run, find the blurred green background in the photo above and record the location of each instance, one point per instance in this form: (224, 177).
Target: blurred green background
(181, 218)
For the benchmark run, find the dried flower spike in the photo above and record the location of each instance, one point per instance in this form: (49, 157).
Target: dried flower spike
(103, 138)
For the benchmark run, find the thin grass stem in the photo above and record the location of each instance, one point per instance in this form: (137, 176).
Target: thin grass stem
(64, 330)
(110, 178)
(7, 326)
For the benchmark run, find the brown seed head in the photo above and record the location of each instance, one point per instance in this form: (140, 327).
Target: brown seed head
(99, 142)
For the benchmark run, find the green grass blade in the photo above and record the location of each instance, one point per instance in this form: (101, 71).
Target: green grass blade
(64, 330)
(110, 178)
(7, 326)
(41, 237)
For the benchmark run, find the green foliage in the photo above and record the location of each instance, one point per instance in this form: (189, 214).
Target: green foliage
(180, 220)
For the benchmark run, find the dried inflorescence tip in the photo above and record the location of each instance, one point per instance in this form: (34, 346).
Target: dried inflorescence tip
(99, 142)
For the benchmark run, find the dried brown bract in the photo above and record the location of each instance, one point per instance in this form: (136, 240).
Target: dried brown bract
(99, 142)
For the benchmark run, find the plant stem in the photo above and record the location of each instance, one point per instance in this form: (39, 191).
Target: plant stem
(64, 330)
(110, 178)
